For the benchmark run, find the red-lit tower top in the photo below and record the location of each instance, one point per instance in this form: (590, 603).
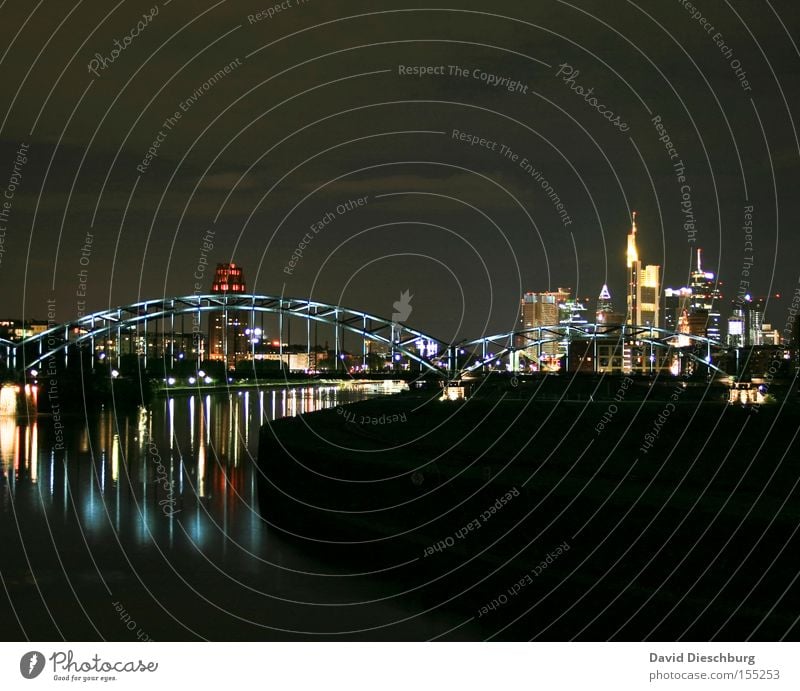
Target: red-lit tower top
(228, 278)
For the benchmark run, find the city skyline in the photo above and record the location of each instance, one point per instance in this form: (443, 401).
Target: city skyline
(700, 285)
(146, 240)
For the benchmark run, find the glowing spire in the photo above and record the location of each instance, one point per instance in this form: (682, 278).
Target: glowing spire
(633, 253)
(699, 260)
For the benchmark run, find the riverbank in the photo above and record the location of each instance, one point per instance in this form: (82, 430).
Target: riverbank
(164, 388)
(657, 506)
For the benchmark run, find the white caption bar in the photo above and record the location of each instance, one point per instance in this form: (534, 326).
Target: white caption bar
(401, 666)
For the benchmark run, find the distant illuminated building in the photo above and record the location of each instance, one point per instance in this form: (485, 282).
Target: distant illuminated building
(228, 278)
(737, 326)
(604, 305)
(677, 301)
(634, 271)
(684, 325)
(755, 320)
(572, 313)
(605, 314)
(643, 305)
(770, 336)
(227, 337)
(705, 301)
(644, 286)
(541, 310)
(699, 300)
(650, 296)
(18, 330)
(749, 316)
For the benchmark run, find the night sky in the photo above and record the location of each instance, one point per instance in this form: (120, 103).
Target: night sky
(314, 106)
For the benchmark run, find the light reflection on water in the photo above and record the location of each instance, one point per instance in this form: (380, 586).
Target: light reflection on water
(189, 457)
(158, 509)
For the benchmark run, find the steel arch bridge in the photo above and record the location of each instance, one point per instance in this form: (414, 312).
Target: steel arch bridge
(151, 320)
(136, 318)
(650, 340)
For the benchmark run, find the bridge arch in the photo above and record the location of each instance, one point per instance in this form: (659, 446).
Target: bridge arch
(446, 360)
(657, 340)
(400, 338)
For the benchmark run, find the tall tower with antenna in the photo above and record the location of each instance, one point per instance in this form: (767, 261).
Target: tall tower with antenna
(706, 300)
(644, 286)
(634, 272)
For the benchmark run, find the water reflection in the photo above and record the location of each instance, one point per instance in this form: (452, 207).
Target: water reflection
(158, 509)
(185, 457)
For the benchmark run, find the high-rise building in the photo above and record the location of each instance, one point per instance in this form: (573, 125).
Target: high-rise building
(544, 309)
(705, 300)
(605, 315)
(696, 304)
(644, 286)
(228, 278)
(747, 325)
(227, 339)
(604, 305)
(634, 271)
(771, 336)
(755, 320)
(573, 313)
(677, 301)
(737, 326)
(650, 296)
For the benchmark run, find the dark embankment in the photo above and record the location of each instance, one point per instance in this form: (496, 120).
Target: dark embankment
(627, 519)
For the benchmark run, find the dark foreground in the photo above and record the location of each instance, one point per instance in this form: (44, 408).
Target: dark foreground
(524, 519)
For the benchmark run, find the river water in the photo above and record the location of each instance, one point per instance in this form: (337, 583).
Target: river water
(147, 525)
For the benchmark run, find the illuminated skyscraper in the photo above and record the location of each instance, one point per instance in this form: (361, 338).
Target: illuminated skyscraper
(705, 301)
(650, 296)
(755, 320)
(677, 301)
(737, 326)
(698, 303)
(604, 305)
(227, 339)
(228, 278)
(544, 309)
(605, 315)
(634, 269)
(573, 313)
(644, 286)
